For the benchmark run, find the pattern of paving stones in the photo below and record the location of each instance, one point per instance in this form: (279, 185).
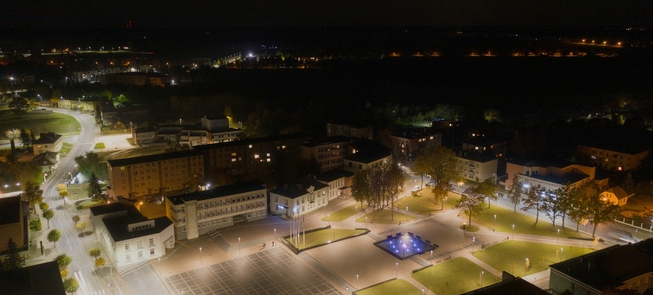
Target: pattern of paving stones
(268, 272)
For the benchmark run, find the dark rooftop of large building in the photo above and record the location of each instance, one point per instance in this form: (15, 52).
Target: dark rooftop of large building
(611, 266)
(367, 156)
(10, 210)
(510, 285)
(152, 158)
(117, 227)
(332, 175)
(249, 141)
(218, 192)
(37, 279)
(298, 187)
(327, 140)
(476, 157)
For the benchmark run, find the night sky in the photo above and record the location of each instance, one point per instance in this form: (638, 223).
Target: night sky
(225, 13)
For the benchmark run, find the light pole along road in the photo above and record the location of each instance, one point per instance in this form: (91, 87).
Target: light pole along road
(70, 244)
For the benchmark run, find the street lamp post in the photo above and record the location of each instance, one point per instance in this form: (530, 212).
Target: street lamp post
(513, 231)
(431, 254)
(365, 222)
(238, 245)
(356, 281)
(482, 273)
(558, 237)
(201, 258)
(494, 226)
(473, 241)
(396, 269)
(406, 213)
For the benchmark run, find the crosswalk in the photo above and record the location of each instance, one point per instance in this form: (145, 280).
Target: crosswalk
(84, 288)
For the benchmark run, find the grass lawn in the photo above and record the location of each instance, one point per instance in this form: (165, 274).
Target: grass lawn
(455, 276)
(391, 287)
(424, 204)
(39, 121)
(89, 203)
(511, 256)
(384, 217)
(342, 214)
(77, 191)
(99, 145)
(324, 236)
(65, 149)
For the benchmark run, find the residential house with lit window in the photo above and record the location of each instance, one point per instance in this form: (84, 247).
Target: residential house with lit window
(339, 182)
(408, 143)
(329, 152)
(477, 166)
(618, 267)
(613, 156)
(48, 161)
(150, 175)
(616, 195)
(47, 142)
(549, 174)
(299, 197)
(197, 213)
(128, 237)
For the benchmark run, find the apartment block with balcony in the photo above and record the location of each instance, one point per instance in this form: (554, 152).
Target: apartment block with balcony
(168, 173)
(299, 197)
(329, 152)
(195, 214)
(613, 157)
(476, 167)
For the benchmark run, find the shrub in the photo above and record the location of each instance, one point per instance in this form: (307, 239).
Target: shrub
(35, 224)
(79, 207)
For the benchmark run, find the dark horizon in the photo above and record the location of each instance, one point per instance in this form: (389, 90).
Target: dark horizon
(247, 13)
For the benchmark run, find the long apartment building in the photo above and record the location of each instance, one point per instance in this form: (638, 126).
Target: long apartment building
(548, 174)
(200, 212)
(155, 174)
(249, 154)
(329, 152)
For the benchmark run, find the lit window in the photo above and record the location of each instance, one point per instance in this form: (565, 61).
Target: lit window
(122, 168)
(256, 156)
(250, 146)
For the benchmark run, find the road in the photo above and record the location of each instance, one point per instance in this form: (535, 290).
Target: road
(82, 266)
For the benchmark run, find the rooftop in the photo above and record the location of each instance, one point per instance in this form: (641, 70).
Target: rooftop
(248, 141)
(10, 210)
(414, 133)
(610, 267)
(561, 180)
(218, 192)
(298, 187)
(117, 227)
(327, 140)
(476, 157)
(368, 156)
(509, 286)
(49, 137)
(152, 158)
(41, 278)
(332, 175)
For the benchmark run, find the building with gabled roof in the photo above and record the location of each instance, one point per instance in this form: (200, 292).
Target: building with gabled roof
(365, 159)
(299, 197)
(408, 143)
(617, 267)
(48, 161)
(477, 166)
(201, 212)
(129, 237)
(616, 195)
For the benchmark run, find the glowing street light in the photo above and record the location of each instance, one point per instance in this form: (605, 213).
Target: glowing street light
(396, 269)
(513, 231)
(494, 227)
(482, 273)
(201, 259)
(356, 281)
(238, 245)
(558, 237)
